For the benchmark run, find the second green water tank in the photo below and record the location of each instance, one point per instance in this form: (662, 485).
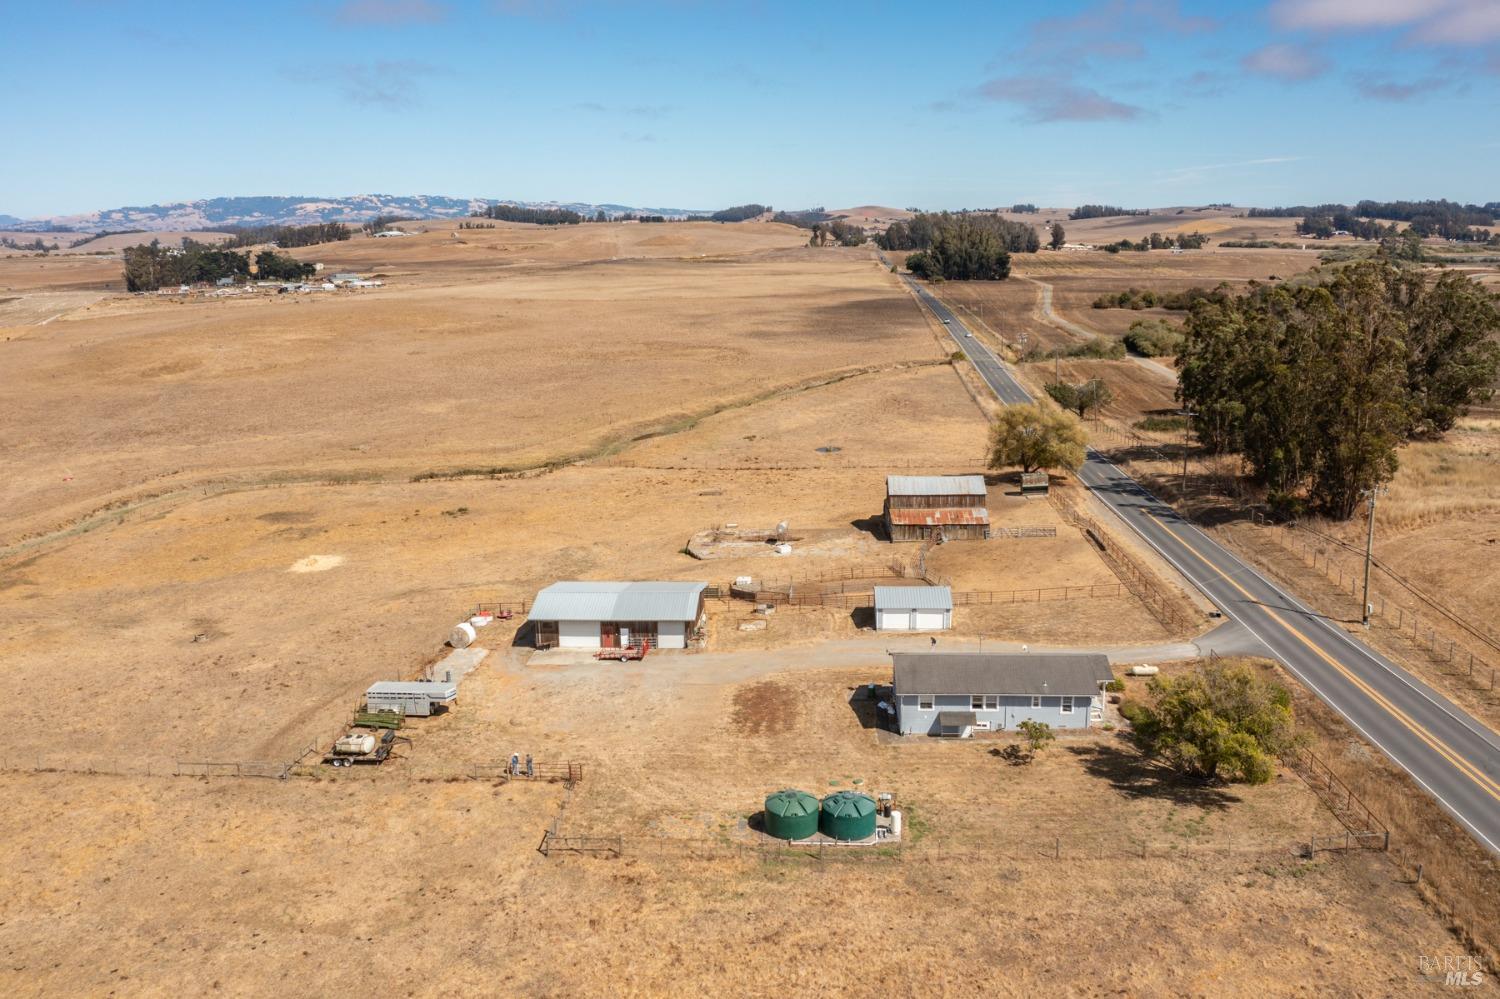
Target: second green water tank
(791, 814)
(848, 815)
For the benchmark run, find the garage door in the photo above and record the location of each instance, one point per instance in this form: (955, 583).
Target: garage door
(895, 621)
(929, 620)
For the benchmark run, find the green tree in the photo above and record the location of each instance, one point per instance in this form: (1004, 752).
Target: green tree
(1221, 723)
(1037, 735)
(1032, 438)
(1452, 357)
(1092, 394)
(1058, 236)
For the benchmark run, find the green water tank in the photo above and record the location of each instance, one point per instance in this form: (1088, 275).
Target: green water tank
(791, 814)
(848, 815)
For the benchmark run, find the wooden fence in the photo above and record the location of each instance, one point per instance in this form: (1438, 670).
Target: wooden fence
(1173, 611)
(961, 598)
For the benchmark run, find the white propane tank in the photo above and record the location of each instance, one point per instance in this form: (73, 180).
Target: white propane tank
(354, 744)
(462, 635)
(896, 822)
(1144, 670)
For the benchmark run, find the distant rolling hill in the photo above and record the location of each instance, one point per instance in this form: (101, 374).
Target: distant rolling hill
(212, 213)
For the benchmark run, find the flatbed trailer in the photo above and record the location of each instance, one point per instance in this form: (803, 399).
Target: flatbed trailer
(381, 753)
(627, 654)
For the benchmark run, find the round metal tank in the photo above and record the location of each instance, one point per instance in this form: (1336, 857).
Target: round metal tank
(791, 814)
(848, 815)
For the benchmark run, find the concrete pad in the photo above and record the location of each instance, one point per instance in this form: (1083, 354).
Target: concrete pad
(459, 662)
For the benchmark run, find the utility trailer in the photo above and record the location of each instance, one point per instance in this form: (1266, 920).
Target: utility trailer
(363, 748)
(628, 653)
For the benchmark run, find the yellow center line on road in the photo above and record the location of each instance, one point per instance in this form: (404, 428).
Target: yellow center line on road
(1460, 763)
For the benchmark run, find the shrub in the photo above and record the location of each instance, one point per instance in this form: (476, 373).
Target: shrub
(1154, 338)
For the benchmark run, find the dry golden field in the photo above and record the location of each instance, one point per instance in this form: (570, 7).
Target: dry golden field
(184, 886)
(222, 519)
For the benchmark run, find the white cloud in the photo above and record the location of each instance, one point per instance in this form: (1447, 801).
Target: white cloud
(1430, 22)
(1045, 100)
(390, 12)
(1285, 62)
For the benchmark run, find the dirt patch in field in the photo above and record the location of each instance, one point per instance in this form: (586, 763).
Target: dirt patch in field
(765, 708)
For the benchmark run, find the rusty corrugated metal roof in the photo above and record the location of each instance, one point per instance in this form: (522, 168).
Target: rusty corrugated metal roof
(956, 515)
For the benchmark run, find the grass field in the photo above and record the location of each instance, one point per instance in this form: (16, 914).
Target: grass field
(227, 517)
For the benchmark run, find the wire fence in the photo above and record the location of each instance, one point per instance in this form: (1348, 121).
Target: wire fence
(1425, 629)
(1058, 849)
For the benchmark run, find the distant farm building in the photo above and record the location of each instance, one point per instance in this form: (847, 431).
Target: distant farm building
(612, 615)
(922, 507)
(913, 608)
(957, 694)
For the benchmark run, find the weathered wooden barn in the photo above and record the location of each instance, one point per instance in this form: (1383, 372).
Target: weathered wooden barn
(922, 507)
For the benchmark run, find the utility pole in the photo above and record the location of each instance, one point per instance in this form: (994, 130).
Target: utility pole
(1187, 418)
(1364, 610)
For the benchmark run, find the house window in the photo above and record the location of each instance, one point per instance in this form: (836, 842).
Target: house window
(1067, 706)
(1036, 701)
(924, 702)
(985, 702)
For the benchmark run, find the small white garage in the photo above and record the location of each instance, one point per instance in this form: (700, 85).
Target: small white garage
(913, 608)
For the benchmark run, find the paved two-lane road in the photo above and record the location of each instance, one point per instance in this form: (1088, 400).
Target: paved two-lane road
(1455, 757)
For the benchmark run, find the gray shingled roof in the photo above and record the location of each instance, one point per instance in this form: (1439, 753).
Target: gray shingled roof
(913, 598)
(985, 673)
(612, 601)
(934, 485)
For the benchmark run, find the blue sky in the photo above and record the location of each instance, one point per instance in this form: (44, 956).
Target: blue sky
(702, 105)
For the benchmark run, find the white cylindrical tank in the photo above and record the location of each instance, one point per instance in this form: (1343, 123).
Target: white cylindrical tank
(1144, 670)
(355, 744)
(896, 822)
(462, 635)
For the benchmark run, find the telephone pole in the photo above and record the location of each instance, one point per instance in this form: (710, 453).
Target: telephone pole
(1371, 495)
(1187, 420)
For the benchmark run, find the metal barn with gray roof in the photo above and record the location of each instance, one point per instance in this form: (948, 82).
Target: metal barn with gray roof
(958, 693)
(609, 615)
(919, 507)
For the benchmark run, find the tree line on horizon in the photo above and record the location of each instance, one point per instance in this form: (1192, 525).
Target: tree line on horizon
(1103, 212)
(152, 266)
(536, 216)
(287, 236)
(1441, 218)
(1317, 384)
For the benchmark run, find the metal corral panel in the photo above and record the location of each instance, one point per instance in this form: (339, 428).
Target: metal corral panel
(616, 601)
(913, 598)
(916, 516)
(934, 485)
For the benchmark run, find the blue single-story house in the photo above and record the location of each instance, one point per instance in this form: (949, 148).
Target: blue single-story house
(959, 693)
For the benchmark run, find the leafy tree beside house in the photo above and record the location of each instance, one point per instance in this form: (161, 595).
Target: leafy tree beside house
(1037, 735)
(1031, 438)
(1222, 723)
